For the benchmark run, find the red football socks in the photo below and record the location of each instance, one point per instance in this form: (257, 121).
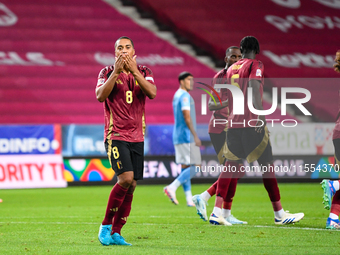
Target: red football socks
(335, 208)
(120, 217)
(230, 195)
(270, 183)
(224, 180)
(212, 189)
(218, 202)
(116, 198)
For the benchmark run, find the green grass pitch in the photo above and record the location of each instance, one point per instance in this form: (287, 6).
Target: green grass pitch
(66, 221)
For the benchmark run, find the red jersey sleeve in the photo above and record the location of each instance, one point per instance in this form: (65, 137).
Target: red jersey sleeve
(147, 73)
(104, 74)
(257, 70)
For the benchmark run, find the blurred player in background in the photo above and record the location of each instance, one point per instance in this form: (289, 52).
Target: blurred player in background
(245, 141)
(332, 187)
(218, 135)
(186, 142)
(123, 88)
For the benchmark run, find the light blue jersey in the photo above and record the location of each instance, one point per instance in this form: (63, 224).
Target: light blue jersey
(182, 101)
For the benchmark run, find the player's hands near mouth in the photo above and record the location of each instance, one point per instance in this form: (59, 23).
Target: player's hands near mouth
(131, 63)
(119, 64)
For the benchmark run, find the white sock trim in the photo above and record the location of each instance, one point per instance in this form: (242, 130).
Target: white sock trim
(188, 196)
(206, 196)
(333, 216)
(174, 185)
(217, 211)
(279, 214)
(226, 213)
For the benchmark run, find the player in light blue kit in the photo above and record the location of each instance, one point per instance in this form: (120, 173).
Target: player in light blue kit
(185, 139)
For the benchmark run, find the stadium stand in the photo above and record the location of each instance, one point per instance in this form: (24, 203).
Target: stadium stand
(290, 33)
(52, 52)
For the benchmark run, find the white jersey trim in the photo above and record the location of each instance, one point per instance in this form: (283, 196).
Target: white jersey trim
(185, 108)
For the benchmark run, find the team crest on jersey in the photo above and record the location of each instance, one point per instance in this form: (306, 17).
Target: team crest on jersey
(258, 73)
(100, 81)
(236, 67)
(119, 164)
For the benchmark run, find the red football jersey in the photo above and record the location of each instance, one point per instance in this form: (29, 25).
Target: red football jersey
(219, 78)
(336, 131)
(124, 108)
(239, 74)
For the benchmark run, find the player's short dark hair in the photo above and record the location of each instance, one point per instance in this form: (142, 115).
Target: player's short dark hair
(124, 37)
(337, 62)
(184, 75)
(231, 48)
(248, 44)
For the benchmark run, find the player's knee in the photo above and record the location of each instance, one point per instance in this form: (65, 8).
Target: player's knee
(132, 187)
(125, 180)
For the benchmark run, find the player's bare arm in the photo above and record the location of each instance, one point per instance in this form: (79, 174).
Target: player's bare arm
(187, 119)
(104, 91)
(255, 84)
(218, 106)
(148, 88)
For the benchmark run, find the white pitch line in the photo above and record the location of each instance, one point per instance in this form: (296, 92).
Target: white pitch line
(45, 222)
(132, 216)
(37, 217)
(283, 227)
(160, 216)
(155, 224)
(85, 223)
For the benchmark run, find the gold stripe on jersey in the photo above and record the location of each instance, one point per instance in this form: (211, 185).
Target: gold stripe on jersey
(109, 150)
(257, 152)
(228, 154)
(225, 128)
(143, 124)
(220, 155)
(108, 137)
(236, 67)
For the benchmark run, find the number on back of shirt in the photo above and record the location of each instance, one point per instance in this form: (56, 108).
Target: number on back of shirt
(233, 78)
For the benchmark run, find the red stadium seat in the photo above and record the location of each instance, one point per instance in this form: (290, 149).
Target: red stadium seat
(297, 42)
(48, 65)
(51, 56)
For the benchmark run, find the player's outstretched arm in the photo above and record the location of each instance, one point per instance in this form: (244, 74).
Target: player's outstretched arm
(148, 88)
(218, 106)
(257, 101)
(104, 91)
